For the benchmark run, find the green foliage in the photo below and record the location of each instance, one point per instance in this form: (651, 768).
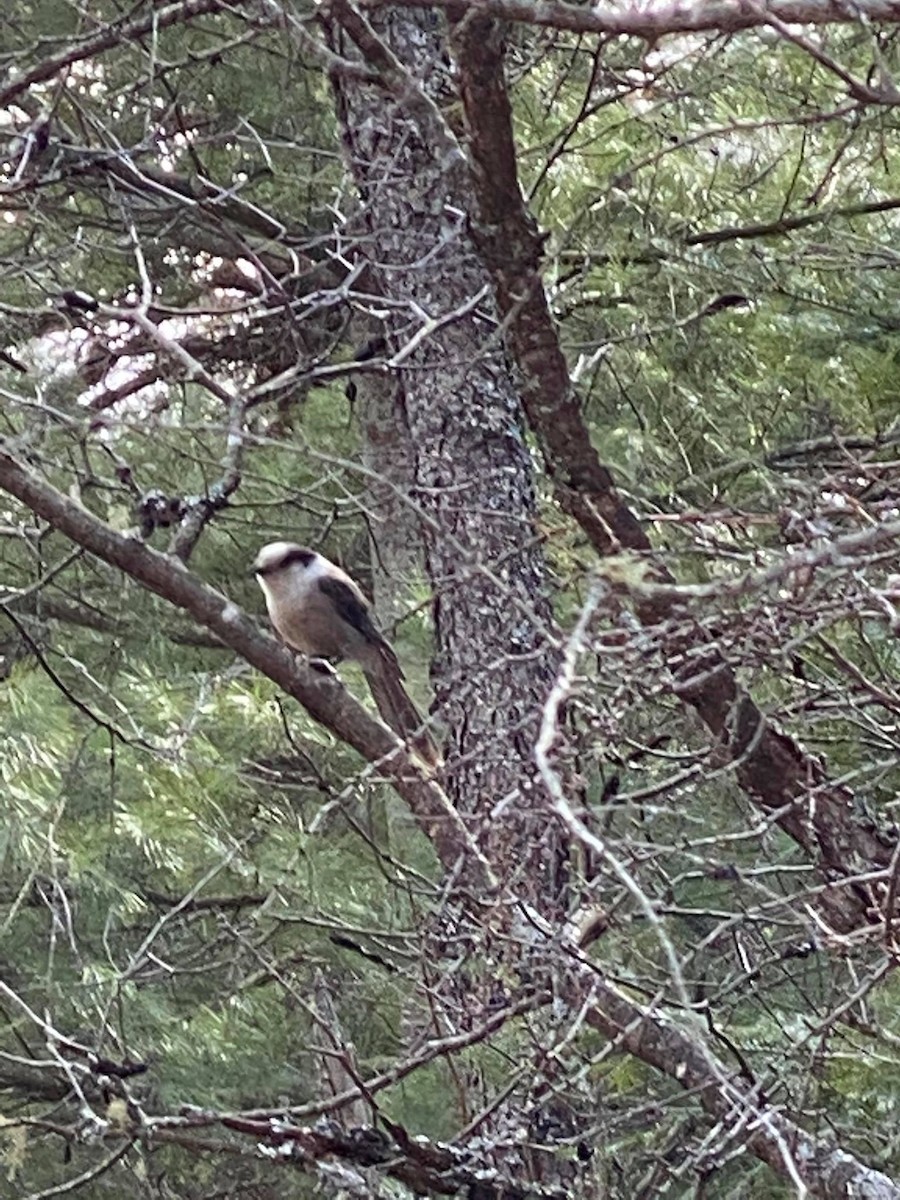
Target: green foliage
(185, 856)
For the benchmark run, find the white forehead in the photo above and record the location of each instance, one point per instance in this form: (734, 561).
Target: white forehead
(273, 555)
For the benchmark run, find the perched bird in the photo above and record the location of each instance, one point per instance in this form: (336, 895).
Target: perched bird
(319, 610)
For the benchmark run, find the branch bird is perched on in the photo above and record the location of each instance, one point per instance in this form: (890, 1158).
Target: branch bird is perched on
(320, 611)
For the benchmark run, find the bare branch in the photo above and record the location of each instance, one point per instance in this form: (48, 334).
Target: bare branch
(113, 35)
(655, 21)
(770, 765)
(788, 224)
(814, 1167)
(323, 698)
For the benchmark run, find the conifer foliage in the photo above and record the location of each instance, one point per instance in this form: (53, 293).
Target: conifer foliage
(571, 334)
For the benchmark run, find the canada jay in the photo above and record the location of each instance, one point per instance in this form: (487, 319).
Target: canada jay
(320, 611)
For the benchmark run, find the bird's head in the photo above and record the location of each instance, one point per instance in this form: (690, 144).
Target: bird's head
(281, 564)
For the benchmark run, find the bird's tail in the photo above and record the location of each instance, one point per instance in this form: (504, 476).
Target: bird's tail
(385, 681)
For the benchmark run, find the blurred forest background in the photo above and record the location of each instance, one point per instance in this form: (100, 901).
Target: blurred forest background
(572, 334)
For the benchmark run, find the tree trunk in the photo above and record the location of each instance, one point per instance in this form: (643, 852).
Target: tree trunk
(472, 479)
(472, 476)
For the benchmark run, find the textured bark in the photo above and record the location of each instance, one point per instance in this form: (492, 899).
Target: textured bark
(652, 21)
(472, 480)
(472, 467)
(826, 1170)
(472, 474)
(773, 769)
(394, 533)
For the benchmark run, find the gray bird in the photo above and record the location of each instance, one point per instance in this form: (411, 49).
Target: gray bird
(319, 610)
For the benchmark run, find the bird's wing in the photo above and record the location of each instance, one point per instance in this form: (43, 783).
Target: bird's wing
(354, 609)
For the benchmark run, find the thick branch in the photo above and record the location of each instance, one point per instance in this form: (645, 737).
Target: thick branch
(654, 21)
(324, 699)
(400, 84)
(116, 34)
(740, 1104)
(787, 224)
(511, 245)
(728, 1096)
(770, 766)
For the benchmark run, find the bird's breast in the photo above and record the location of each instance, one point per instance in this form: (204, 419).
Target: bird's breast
(310, 624)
